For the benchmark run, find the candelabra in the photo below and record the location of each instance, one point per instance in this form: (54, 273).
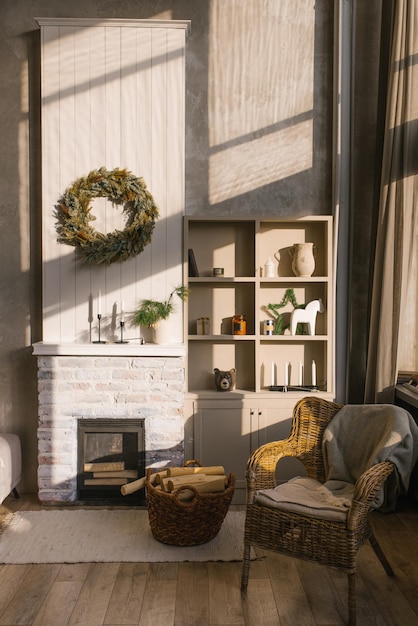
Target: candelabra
(286, 388)
(99, 340)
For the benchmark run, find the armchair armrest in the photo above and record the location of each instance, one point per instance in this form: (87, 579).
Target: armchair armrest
(366, 489)
(261, 466)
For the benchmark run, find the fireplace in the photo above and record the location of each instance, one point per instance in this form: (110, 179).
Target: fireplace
(125, 382)
(110, 453)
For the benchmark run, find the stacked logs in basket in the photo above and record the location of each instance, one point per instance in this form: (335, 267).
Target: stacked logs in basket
(175, 480)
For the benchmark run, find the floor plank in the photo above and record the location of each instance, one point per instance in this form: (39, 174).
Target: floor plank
(128, 594)
(259, 606)
(94, 598)
(59, 604)
(192, 597)
(30, 595)
(225, 605)
(159, 603)
(11, 579)
(73, 572)
(324, 602)
(291, 602)
(389, 599)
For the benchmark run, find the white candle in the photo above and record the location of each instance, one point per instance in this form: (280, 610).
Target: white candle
(300, 374)
(99, 302)
(286, 374)
(122, 310)
(272, 374)
(313, 373)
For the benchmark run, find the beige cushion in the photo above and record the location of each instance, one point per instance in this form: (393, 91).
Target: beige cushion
(307, 496)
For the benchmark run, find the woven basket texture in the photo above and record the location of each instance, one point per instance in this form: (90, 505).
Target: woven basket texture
(191, 523)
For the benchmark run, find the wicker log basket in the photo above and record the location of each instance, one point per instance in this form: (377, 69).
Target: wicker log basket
(189, 523)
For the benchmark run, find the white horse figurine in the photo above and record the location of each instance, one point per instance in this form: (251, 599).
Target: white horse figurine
(306, 316)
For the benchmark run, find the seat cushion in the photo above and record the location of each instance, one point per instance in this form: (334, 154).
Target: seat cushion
(307, 496)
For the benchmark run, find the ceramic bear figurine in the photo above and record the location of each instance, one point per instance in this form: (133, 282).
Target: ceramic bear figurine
(224, 381)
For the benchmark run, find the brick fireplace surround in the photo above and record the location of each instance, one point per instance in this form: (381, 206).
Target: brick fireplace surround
(74, 382)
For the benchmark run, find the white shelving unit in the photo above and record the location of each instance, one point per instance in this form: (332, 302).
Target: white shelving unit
(251, 414)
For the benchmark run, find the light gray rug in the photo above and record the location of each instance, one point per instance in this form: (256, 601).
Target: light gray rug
(88, 536)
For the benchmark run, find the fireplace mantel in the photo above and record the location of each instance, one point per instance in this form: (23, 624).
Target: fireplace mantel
(42, 348)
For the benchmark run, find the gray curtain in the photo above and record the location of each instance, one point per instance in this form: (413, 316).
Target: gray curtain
(393, 331)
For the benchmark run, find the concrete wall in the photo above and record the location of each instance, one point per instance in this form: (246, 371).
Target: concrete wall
(258, 141)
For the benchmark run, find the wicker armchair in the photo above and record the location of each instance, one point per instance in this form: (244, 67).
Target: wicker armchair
(328, 542)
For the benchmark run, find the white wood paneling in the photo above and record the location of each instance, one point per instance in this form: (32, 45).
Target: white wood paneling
(113, 96)
(68, 145)
(84, 99)
(50, 154)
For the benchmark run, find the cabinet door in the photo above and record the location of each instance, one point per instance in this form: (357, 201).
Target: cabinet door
(222, 436)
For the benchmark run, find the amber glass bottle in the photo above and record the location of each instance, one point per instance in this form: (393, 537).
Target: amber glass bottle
(239, 325)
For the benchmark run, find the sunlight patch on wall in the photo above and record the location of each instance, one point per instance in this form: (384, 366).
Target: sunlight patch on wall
(245, 167)
(260, 110)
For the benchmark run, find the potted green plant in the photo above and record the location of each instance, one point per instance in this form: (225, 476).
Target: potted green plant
(151, 312)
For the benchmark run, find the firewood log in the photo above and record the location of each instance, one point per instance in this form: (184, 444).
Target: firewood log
(211, 486)
(157, 477)
(133, 486)
(168, 484)
(104, 467)
(183, 471)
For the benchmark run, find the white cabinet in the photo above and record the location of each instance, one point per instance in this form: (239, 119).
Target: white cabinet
(225, 427)
(222, 436)
(226, 430)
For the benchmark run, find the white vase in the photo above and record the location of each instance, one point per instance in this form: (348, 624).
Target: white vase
(162, 332)
(303, 260)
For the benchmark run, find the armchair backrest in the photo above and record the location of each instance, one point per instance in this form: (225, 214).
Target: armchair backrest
(311, 416)
(363, 435)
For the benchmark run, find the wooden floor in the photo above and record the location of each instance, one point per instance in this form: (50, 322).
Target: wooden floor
(281, 590)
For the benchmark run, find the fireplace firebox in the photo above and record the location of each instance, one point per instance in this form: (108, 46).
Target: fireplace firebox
(111, 453)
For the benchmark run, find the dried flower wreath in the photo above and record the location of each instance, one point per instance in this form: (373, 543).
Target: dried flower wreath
(121, 187)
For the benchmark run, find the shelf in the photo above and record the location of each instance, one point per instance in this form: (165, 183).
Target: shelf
(241, 246)
(237, 395)
(263, 281)
(221, 337)
(221, 279)
(301, 338)
(294, 279)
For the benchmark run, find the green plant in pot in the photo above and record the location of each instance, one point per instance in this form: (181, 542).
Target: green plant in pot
(151, 312)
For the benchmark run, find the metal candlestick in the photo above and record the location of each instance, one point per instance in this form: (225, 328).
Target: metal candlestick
(99, 317)
(121, 324)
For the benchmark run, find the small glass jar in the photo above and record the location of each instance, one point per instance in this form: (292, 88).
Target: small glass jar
(203, 326)
(239, 325)
(268, 327)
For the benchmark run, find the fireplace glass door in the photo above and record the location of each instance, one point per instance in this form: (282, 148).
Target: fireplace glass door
(111, 453)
